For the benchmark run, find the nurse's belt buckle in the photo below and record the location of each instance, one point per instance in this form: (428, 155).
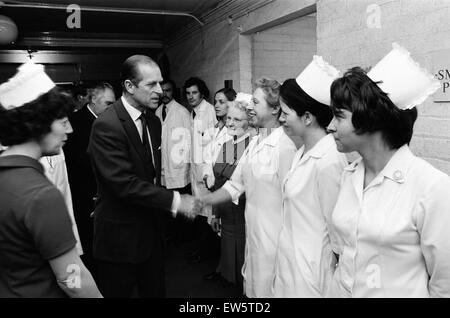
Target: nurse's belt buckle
(398, 176)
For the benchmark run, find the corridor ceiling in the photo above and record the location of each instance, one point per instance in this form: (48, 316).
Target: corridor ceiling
(102, 23)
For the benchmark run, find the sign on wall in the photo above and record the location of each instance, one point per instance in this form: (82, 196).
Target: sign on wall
(441, 68)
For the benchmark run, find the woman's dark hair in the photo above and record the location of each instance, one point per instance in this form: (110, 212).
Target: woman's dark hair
(371, 108)
(33, 120)
(229, 93)
(195, 81)
(299, 101)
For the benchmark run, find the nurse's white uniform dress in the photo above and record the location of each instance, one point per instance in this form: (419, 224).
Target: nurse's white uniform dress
(393, 237)
(259, 174)
(305, 261)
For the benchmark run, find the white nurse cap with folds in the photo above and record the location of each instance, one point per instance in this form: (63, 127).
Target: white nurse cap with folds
(28, 84)
(316, 79)
(405, 82)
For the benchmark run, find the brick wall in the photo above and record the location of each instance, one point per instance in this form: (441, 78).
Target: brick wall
(221, 51)
(422, 26)
(211, 54)
(283, 51)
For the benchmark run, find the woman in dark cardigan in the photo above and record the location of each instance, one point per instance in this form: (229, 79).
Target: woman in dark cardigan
(229, 217)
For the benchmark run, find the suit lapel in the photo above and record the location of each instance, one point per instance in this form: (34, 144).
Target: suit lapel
(89, 116)
(87, 119)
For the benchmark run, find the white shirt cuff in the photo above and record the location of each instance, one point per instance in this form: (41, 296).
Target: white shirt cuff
(175, 203)
(234, 193)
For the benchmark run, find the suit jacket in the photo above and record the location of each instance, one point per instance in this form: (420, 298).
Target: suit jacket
(129, 204)
(81, 177)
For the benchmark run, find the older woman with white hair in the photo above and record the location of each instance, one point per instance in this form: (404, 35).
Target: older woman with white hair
(228, 218)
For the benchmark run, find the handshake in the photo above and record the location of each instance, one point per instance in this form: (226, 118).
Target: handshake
(190, 206)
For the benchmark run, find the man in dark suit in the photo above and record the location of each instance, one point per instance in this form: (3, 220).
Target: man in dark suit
(125, 153)
(81, 177)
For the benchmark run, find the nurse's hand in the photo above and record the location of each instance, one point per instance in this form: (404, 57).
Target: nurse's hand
(188, 206)
(198, 205)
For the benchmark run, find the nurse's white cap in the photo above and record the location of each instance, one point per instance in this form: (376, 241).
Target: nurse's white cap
(28, 84)
(316, 79)
(405, 82)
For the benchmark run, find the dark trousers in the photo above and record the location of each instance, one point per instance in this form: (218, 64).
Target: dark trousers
(122, 280)
(85, 225)
(206, 240)
(179, 229)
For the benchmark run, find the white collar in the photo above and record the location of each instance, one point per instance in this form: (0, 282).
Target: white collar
(317, 151)
(200, 107)
(89, 108)
(170, 104)
(238, 140)
(321, 147)
(273, 136)
(133, 112)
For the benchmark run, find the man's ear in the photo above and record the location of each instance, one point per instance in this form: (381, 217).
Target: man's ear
(129, 86)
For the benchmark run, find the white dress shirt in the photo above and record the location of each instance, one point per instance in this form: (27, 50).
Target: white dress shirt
(135, 114)
(393, 237)
(259, 174)
(305, 261)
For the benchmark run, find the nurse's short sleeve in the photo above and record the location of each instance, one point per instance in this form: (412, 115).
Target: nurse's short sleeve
(49, 225)
(433, 223)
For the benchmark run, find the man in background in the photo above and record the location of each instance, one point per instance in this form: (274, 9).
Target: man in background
(81, 177)
(203, 121)
(175, 160)
(80, 94)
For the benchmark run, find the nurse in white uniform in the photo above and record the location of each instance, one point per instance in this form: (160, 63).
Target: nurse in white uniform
(392, 216)
(305, 261)
(221, 100)
(259, 174)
